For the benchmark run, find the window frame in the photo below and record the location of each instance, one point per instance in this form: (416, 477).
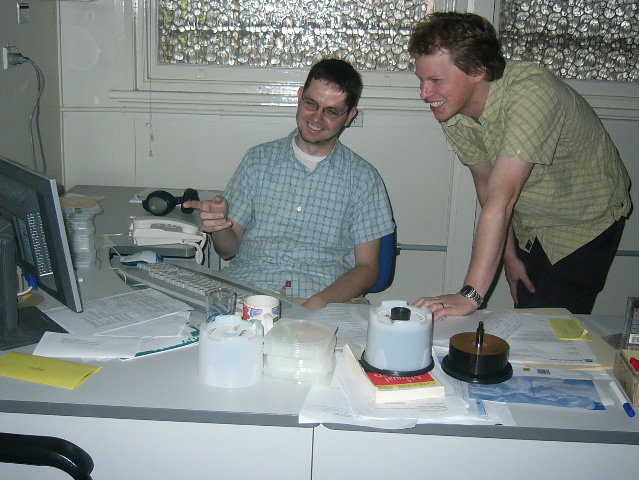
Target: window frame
(273, 85)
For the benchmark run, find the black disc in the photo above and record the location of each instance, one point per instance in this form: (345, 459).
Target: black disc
(393, 373)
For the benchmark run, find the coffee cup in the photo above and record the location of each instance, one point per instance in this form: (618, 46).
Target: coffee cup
(262, 308)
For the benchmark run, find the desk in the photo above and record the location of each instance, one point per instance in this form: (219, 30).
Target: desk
(152, 418)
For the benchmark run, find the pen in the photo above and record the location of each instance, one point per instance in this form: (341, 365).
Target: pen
(622, 398)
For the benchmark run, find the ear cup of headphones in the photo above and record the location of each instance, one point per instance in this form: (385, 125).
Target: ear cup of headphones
(160, 203)
(189, 194)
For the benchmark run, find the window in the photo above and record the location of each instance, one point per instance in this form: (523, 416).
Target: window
(371, 34)
(577, 39)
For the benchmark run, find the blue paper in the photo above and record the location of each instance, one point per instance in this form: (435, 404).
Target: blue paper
(559, 392)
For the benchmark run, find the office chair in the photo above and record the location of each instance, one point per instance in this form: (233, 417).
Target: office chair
(387, 255)
(46, 451)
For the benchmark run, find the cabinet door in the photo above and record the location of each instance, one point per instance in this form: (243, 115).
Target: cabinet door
(127, 449)
(383, 456)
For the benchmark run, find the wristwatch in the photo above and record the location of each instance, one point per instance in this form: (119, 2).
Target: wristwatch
(470, 292)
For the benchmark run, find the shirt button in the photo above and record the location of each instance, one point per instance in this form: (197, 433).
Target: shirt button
(299, 209)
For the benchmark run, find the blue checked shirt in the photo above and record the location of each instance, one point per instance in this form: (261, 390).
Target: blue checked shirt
(301, 227)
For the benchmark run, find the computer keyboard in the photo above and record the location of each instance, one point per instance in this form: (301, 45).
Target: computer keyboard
(184, 283)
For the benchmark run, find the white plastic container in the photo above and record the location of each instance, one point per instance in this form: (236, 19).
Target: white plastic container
(301, 339)
(230, 353)
(300, 351)
(399, 338)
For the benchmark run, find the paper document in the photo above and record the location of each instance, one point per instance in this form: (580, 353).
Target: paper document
(167, 326)
(530, 336)
(330, 405)
(117, 311)
(536, 342)
(351, 324)
(67, 345)
(151, 345)
(502, 324)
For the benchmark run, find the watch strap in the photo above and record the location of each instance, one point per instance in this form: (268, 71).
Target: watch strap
(470, 292)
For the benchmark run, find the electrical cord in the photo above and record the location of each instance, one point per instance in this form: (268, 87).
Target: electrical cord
(34, 117)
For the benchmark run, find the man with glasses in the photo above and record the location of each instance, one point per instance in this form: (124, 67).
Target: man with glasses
(302, 216)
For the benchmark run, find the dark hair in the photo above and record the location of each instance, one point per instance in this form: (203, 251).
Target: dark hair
(340, 73)
(469, 39)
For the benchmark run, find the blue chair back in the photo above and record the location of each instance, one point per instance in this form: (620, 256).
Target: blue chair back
(387, 254)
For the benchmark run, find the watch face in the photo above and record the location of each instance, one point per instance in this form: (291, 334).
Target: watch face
(467, 290)
(470, 292)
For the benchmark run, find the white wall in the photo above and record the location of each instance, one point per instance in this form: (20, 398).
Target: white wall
(121, 129)
(37, 40)
(115, 132)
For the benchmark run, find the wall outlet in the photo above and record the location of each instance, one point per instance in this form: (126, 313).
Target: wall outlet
(5, 57)
(7, 53)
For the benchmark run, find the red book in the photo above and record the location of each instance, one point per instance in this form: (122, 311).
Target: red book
(388, 382)
(386, 388)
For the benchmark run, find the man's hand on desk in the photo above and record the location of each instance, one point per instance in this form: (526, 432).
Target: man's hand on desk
(455, 305)
(314, 303)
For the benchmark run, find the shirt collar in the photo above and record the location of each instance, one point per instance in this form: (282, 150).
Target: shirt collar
(289, 155)
(490, 109)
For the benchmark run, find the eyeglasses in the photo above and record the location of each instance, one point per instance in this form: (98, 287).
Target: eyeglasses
(329, 112)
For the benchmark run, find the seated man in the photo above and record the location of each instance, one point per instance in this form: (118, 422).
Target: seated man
(302, 216)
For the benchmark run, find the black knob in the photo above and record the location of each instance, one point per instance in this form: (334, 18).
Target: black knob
(400, 313)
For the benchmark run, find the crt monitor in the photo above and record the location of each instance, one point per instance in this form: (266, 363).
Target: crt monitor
(33, 238)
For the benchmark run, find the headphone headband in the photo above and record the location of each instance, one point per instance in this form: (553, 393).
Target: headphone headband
(161, 202)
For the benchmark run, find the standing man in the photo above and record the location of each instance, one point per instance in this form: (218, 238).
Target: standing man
(553, 190)
(303, 216)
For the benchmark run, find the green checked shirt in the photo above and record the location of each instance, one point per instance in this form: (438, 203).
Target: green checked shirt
(300, 226)
(578, 187)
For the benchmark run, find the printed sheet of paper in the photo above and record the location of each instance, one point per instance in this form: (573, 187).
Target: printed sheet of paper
(65, 345)
(152, 345)
(117, 311)
(499, 323)
(535, 341)
(330, 405)
(351, 324)
(167, 326)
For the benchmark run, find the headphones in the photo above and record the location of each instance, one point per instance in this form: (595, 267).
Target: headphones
(162, 202)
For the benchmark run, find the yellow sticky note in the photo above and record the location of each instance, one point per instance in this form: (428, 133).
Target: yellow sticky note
(50, 371)
(569, 329)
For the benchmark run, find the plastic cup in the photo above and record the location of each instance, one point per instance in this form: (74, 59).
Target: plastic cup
(219, 301)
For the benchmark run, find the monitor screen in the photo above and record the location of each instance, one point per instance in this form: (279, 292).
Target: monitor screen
(33, 238)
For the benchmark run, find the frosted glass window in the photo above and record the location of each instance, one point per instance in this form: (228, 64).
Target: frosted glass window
(582, 39)
(371, 34)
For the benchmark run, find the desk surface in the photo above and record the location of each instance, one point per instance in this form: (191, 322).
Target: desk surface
(166, 387)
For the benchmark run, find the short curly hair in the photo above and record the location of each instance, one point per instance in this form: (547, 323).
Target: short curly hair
(469, 39)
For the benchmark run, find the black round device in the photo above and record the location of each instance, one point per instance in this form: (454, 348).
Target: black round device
(162, 202)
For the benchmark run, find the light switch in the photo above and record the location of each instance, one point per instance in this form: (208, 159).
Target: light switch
(23, 13)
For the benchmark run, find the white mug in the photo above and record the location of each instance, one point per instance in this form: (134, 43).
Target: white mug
(262, 308)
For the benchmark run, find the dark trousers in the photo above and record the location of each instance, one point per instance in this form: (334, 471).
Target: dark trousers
(574, 281)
